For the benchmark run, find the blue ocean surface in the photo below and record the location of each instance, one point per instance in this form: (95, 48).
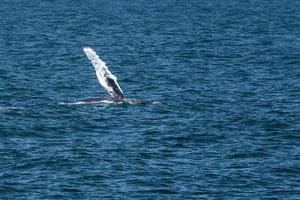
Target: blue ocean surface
(221, 80)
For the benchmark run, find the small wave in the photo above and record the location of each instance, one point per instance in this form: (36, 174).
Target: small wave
(3, 108)
(156, 103)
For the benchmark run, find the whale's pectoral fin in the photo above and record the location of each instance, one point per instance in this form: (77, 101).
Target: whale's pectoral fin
(106, 79)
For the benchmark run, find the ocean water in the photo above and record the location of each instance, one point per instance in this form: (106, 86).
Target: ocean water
(222, 82)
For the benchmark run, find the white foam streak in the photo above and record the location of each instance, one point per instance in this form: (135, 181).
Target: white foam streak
(89, 102)
(4, 108)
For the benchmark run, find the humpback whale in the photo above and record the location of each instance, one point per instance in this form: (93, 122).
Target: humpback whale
(107, 80)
